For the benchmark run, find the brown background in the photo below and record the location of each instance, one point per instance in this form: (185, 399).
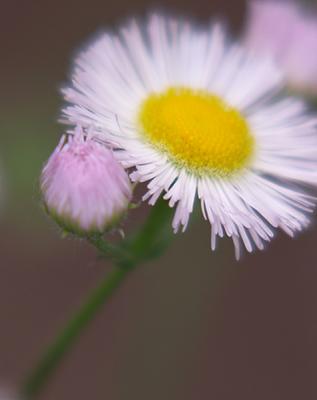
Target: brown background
(193, 325)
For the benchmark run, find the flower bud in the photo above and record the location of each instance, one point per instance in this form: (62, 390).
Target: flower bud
(84, 187)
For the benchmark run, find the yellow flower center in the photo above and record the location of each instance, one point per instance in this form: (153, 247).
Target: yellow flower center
(197, 130)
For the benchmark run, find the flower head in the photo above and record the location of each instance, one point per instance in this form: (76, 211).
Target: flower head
(195, 115)
(289, 33)
(84, 187)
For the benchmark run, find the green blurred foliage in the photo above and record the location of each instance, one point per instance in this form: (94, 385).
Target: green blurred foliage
(29, 133)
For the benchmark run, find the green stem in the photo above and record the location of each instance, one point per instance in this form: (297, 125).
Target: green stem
(148, 243)
(117, 253)
(63, 343)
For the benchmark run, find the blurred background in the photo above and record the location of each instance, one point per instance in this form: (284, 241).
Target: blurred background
(193, 325)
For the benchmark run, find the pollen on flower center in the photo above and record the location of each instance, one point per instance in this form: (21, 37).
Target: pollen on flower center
(197, 130)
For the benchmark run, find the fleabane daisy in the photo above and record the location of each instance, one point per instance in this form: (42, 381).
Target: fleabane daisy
(288, 31)
(197, 116)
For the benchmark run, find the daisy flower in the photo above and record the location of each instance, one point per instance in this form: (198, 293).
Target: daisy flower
(288, 32)
(196, 116)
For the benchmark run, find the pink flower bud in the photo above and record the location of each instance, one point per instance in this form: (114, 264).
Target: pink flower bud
(84, 187)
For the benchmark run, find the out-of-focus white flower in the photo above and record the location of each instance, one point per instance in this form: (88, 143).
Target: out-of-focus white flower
(288, 32)
(84, 187)
(195, 115)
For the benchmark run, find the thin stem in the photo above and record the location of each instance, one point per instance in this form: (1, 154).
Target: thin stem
(117, 253)
(148, 243)
(155, 235)
(66, 339)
